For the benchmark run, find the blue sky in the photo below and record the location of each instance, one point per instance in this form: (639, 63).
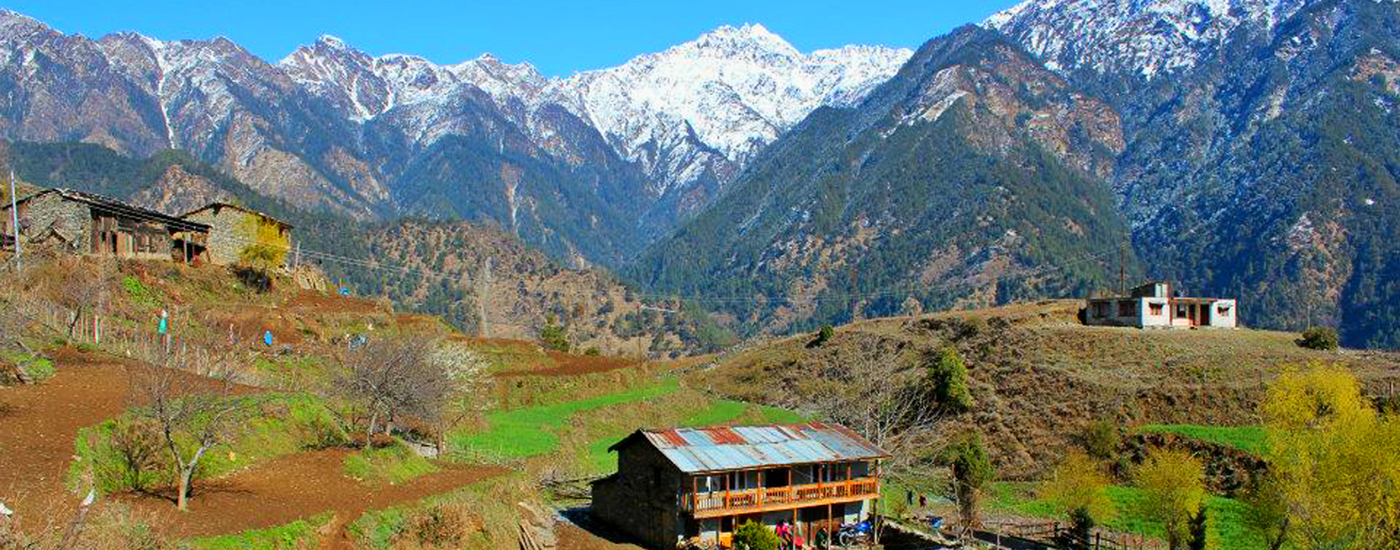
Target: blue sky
(558, 37)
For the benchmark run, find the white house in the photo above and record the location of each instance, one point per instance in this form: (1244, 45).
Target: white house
(1155, 305)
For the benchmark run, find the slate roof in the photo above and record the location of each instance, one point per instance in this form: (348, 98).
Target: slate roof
(695, 450)
(221, 205)
(116, 207)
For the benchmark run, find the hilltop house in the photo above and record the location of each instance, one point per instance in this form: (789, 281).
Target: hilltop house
(87, 223)
(700, 483)
(234, 228)
(1156, 305)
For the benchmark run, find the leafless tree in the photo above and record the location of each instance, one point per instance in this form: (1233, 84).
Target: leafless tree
(86, 289)
(875, 397)
(391, 378)
(192, 414)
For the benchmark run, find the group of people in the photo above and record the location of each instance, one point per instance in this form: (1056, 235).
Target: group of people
(790, 540)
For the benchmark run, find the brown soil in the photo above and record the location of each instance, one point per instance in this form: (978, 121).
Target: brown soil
(572, 537)
(574, 365)
(41, 422)
(248, 323)
(315, 302)
(292, 487)
(36, 442)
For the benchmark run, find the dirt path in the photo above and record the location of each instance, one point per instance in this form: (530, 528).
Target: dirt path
(39, 423)
(37, 434)
(293, 487)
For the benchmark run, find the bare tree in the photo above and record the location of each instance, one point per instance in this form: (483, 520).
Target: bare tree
(192, 414)
(394, 377)
(86, 289)
(874, 396)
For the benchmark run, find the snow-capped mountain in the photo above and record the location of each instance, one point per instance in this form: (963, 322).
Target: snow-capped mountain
(700, 108)
(1147, 37)
(588, 166)
(732, 90)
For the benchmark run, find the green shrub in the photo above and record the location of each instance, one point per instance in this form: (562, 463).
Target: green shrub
(754, 536)
(393, 464)
(946, 379)
(554, 336)
(1320, 338)
(823, 336)
(138, 292)
(593, 351)
(1101, 439)
(972, 469)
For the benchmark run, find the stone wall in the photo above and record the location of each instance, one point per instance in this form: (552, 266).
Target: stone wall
(49, 219)
(643, 498)
(231, 230)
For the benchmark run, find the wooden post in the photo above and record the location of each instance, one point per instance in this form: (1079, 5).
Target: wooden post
(694, 493)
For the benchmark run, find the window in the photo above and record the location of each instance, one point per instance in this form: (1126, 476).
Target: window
(1101, 309)
(1156, 309)
(1127, 308)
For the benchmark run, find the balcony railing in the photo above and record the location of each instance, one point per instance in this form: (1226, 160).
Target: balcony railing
(771, 498)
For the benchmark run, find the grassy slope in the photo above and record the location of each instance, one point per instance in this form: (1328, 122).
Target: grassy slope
(530, 431)
(1031, 362)
(291, 536)
(1227, 514)
(1250, 439)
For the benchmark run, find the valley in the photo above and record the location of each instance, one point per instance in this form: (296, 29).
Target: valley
(1077, 274)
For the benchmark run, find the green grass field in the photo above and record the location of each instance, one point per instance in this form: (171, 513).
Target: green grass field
(290, 536)
(1226, 515)
(393, 465)
(530, 431)
(1250, 439)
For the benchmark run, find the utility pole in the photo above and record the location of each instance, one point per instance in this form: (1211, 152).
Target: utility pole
(14, 218)
(484, 290)
(1122, 277)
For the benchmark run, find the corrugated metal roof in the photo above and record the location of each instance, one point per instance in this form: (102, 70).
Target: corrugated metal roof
(742, 447)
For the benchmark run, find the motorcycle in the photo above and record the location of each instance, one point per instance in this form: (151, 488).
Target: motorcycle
(852, 533)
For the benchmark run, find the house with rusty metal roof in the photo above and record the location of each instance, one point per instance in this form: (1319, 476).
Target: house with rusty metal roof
(674, 486)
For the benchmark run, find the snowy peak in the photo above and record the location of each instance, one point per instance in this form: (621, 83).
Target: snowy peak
(747, 40)
(718, 99)
(1144, 37)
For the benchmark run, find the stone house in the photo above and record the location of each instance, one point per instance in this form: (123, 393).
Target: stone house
(1157, 305)
(234, 228)
(86, 223)
(698, 484)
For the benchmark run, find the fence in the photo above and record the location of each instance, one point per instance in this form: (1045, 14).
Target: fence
(143, 344)
(1057, 535)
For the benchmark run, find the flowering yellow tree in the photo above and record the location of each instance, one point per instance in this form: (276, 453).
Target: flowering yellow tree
(1079, 483)
(1335, 459)
(1174, 490)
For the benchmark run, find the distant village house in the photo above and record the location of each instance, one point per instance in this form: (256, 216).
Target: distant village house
(87, 223)
(234, 228)
(699, 484)
(1156, 305)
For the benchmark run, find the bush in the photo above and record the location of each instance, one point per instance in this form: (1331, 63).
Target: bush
(972, 470)
(553, 336)
(1101, 439)
(1320, 338)
(822, 337)
(947, 381)
(593, 351)
(437, 527)
(754, 536)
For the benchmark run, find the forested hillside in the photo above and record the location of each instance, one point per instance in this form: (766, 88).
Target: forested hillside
(972, 177)
(427, 266)
(1261, 157)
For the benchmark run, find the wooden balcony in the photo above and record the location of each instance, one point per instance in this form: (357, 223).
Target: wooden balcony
(751, 501)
